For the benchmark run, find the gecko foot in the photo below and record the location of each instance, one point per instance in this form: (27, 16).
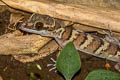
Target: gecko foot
(52, 65)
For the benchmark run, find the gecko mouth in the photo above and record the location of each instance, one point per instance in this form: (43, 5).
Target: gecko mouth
(40, 32)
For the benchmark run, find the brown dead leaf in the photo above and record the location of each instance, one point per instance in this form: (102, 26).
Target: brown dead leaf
(14, 19)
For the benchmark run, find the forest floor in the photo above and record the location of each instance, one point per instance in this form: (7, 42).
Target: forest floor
(11, 69)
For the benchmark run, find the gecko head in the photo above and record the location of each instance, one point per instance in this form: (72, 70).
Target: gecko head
(43, 25)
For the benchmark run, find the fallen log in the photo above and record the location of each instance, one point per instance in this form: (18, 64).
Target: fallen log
(97, 17)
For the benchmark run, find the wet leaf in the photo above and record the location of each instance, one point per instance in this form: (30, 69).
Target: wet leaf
(68, 62)
(103, 75)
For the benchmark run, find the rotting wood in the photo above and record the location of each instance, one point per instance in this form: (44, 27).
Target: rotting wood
(44, 51)
(97, 17)
(16, 43)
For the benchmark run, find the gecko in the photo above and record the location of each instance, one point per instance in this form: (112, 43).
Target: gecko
(47, 26)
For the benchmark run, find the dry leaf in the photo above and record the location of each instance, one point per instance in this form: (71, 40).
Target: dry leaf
(15, 18)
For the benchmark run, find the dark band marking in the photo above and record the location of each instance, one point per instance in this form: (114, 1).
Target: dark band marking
(112, 51)
(84, 39)
(67, 33)
(81, 37)
(87, 41)
(71, 30)
(95, 44)
(101, 43)
(103, 47)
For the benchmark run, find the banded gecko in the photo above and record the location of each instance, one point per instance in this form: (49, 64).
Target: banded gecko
(93, 45)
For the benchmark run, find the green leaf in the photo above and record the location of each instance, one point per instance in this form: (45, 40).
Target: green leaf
(103, 75)
(68, 62)
(32, 75)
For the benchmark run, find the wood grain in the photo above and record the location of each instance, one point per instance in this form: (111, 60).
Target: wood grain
(16, 43)
(97, 17)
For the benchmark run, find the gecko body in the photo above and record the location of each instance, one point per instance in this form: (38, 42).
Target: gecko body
(91, 44)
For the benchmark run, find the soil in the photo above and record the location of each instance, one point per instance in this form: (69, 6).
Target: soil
(11, 69)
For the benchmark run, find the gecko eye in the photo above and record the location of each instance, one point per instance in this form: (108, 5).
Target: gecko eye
(39, 26)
